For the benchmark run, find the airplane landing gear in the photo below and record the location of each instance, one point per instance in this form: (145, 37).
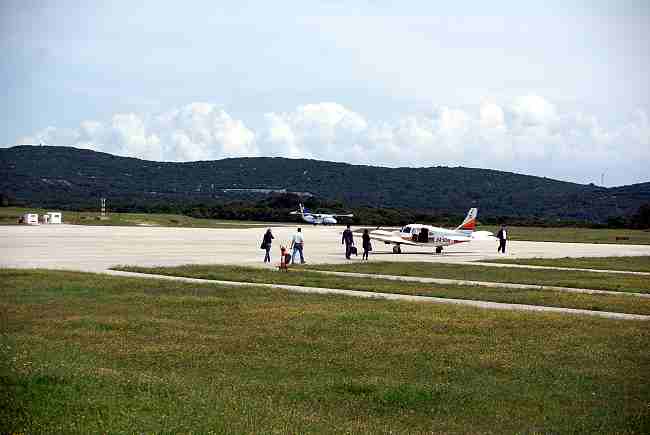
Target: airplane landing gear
(438, 249)
(397, 249)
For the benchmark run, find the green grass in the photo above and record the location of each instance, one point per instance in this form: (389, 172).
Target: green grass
(634, 264)
(576, 235)
(560, 278)
(10, 216)
(302, 277)
(85, 353)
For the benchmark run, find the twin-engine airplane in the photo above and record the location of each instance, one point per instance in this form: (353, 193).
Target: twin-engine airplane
(425, 235)
(318, 218)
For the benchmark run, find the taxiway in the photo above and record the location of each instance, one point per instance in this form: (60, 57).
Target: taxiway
(97, 248)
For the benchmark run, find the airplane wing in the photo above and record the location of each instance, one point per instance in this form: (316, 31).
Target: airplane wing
(459, 238)
(326, 215)
(388, 237)
(483, 235)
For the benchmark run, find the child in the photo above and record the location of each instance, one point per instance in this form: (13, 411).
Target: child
(285, 257)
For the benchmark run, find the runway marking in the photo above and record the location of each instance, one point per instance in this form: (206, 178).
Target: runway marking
(390, 296)
(480, 283)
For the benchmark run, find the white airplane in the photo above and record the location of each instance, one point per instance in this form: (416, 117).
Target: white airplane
(425, 235)
(318, 218)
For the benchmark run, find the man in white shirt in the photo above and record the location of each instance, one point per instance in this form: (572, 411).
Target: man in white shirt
(297, 242)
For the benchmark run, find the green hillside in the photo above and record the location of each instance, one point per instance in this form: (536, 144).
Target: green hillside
(64, 177)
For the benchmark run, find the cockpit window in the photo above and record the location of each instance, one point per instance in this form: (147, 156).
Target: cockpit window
(406, 230)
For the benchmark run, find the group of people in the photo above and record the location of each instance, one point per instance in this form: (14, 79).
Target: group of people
(350, 248)
(348, 240)
(298, 242)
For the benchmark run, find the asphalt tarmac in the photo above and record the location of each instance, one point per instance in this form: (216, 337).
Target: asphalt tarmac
(97, 248)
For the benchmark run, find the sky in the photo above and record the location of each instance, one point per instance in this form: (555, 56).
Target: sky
(558, 89)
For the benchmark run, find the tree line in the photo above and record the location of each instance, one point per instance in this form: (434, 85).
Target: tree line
(277, 208)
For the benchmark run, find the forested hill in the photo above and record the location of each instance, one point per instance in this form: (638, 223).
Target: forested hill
(67, 177)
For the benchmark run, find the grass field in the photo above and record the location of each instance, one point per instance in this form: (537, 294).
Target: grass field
(634, 264)
(302, 277)
(10, 215)
(560, 278)
(576, 235)
(85, 353)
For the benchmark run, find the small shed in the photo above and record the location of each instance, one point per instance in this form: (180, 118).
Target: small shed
(30, 219)
(54, 217)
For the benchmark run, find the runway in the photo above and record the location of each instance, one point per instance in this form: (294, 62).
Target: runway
(97, 248)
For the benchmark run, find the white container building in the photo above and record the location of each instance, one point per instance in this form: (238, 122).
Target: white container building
(53, 217)
(30, 219)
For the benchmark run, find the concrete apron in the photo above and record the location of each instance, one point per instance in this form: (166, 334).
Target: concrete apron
(390, 296)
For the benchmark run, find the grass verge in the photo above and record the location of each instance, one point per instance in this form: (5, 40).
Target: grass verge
(84, 353)
(576, 235)
(560, 278)
(302, 277)
(10, 216)
(633, 264)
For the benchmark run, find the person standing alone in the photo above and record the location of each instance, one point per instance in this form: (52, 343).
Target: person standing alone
(367, 247)
(348, 239)
(266, 245)
(297, 243)
(502, 236)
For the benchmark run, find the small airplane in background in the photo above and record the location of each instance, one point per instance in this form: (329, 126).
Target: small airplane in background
(318, 218)
(426, 235)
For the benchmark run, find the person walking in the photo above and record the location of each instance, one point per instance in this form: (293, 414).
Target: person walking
(367, 247)
(266, 245)
(502, 236)
(297, 243)
(348, 239)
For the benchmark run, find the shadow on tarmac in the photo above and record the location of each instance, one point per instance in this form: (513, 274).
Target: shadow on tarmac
(443, 254)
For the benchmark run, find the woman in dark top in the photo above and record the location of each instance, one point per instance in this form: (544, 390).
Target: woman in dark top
(367, 247)
(266, 245)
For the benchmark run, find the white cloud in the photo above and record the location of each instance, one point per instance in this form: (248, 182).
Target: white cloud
(281, 137)
(200, 131)
(197, 131)
(323, 131)
(533, 110)
(527, 134)
(492, 116)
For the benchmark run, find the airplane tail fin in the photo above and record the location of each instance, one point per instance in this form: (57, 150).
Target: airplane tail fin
(302, 209)
(469, 224)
